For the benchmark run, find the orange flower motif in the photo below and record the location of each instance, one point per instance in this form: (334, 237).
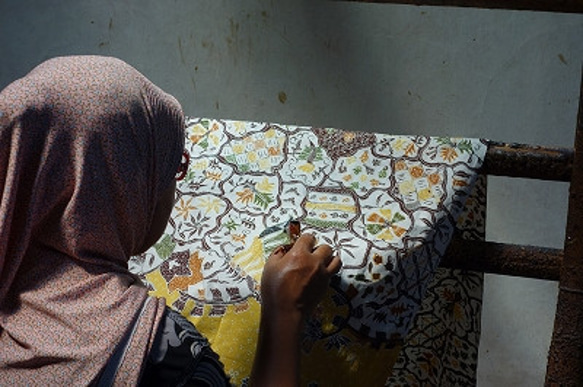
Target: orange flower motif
(241, 306)
(400, 165)
(245, 196)
(398, 309)
(398, 231)
(181, 282)
(416, 171)
(434, 178)
(448, 154)
(238, 237)
(383, 226)
(364, 157)
(375, 218)
(410, 149)
(213, 175)
(273, 151)
(184, 207)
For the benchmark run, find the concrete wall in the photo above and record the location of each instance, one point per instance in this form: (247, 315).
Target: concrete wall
(504, 75)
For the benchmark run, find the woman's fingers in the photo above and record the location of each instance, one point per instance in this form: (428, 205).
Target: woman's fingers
(334, 266)
(306, 242)
(280, 251)
(324, 253)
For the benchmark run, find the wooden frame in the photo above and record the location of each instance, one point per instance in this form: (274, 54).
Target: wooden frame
(565, 360)
(565, 6)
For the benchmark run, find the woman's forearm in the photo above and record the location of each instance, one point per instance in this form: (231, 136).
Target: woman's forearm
(278, 350)
(293, 282)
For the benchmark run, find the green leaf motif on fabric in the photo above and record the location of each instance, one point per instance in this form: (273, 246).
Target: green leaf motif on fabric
(263, 199)
(465, 146)
(165, 246)
(204, 143)
(271, 241)
(445, 141)
(398, 217)
(231, 225)
(384, 172)
(325, 223)
(374, 229)
(311, 154)
(189, 175)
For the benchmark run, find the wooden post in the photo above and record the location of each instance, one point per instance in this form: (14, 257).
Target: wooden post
(565, 363)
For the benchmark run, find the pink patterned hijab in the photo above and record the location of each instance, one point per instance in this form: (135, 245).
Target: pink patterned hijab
(87, 145)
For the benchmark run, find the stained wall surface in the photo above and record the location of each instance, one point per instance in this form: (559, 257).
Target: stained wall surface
(504, 75)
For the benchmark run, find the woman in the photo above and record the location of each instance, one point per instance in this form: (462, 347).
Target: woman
(89, 150)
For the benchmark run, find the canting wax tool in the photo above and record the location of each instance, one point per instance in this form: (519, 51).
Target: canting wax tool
(293, 232)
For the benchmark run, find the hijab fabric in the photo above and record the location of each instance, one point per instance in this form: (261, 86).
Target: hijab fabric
(87, 145)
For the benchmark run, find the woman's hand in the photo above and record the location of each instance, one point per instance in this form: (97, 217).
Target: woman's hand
(293, 283)
(296, 280)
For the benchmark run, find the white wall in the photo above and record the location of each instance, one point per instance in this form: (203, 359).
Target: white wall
(504, 75)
